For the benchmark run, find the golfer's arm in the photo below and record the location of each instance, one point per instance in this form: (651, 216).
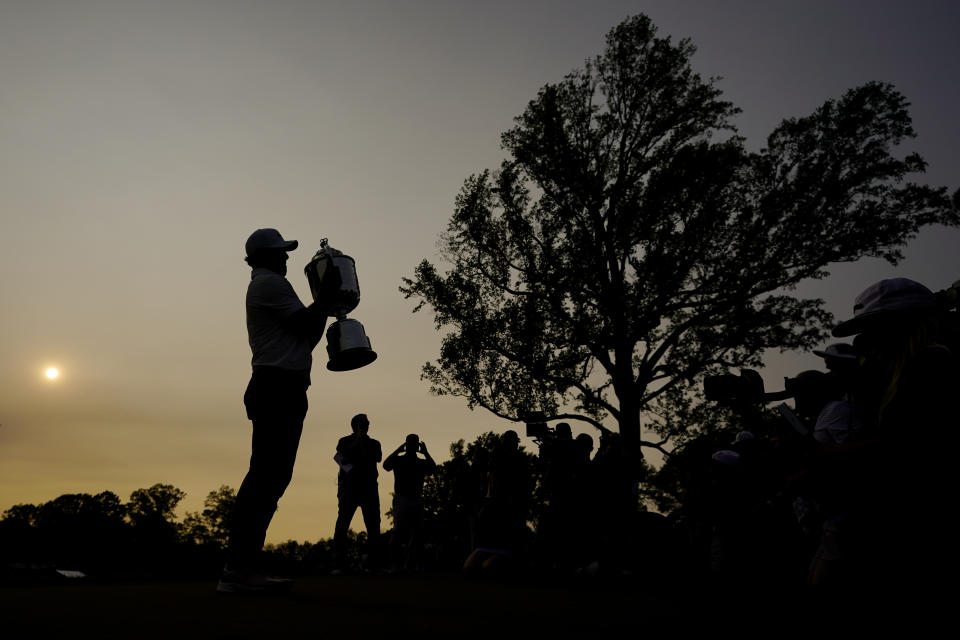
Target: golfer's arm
(308, 322)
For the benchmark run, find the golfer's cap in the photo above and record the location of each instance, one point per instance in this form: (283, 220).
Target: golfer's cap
(840, 350)
(264, 239)
(885, 300)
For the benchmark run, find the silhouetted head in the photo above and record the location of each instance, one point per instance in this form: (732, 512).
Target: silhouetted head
(584, 444)
(360, 424)
(412, 443)
(271, 259)
(510, 441)
(839, 357)
(267, 249)
(610, 442)
(811, 391)
(894, 321)
(564, 432)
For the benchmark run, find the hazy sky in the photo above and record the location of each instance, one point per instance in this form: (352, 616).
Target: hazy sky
(141, 143)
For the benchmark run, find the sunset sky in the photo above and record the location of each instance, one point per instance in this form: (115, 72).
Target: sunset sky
(141, 143)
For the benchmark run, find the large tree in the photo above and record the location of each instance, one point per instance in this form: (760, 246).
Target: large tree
(151, 512)
(211, 526)
(630, 242)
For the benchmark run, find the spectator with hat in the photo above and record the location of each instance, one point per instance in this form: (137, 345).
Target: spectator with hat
(896, 480)
(840, 418)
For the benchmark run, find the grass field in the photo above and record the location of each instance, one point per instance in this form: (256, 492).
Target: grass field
(364, 606)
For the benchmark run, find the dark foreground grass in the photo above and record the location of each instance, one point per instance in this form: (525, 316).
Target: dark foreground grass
(362, 606)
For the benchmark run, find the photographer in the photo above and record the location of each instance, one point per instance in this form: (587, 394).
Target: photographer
(555, 526)
(409, 472)
(745, 497)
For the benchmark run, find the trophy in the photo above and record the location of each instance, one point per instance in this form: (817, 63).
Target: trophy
(347, 344)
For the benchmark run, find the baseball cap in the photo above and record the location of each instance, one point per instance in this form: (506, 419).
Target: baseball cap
(884, 300)
(263, 239)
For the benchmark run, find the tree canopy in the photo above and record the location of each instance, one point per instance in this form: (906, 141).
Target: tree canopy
(630, 242)
(212, 525)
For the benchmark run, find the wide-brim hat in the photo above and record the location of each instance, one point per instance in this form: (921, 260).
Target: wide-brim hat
(885, 301)
(839, 350)
(266, 240)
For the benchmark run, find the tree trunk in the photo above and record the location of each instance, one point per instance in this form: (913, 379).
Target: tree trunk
(630, 423)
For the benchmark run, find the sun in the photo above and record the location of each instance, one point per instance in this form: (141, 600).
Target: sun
(52, 373)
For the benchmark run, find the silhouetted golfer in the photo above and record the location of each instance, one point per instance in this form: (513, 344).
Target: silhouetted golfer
(357, 455)
(409, 472)
(282, 334)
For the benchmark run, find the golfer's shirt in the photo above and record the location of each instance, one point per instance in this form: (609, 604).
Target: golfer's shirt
(271, 300)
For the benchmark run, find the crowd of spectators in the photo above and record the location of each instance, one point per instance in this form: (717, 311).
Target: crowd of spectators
(851, 486)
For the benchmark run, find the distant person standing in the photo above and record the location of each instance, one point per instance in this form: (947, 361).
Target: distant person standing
(409, 473)
(282, 334)
(357, 455)
(502, 522)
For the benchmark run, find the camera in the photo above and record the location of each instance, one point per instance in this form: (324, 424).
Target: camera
(537, 425)
(729, 389)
